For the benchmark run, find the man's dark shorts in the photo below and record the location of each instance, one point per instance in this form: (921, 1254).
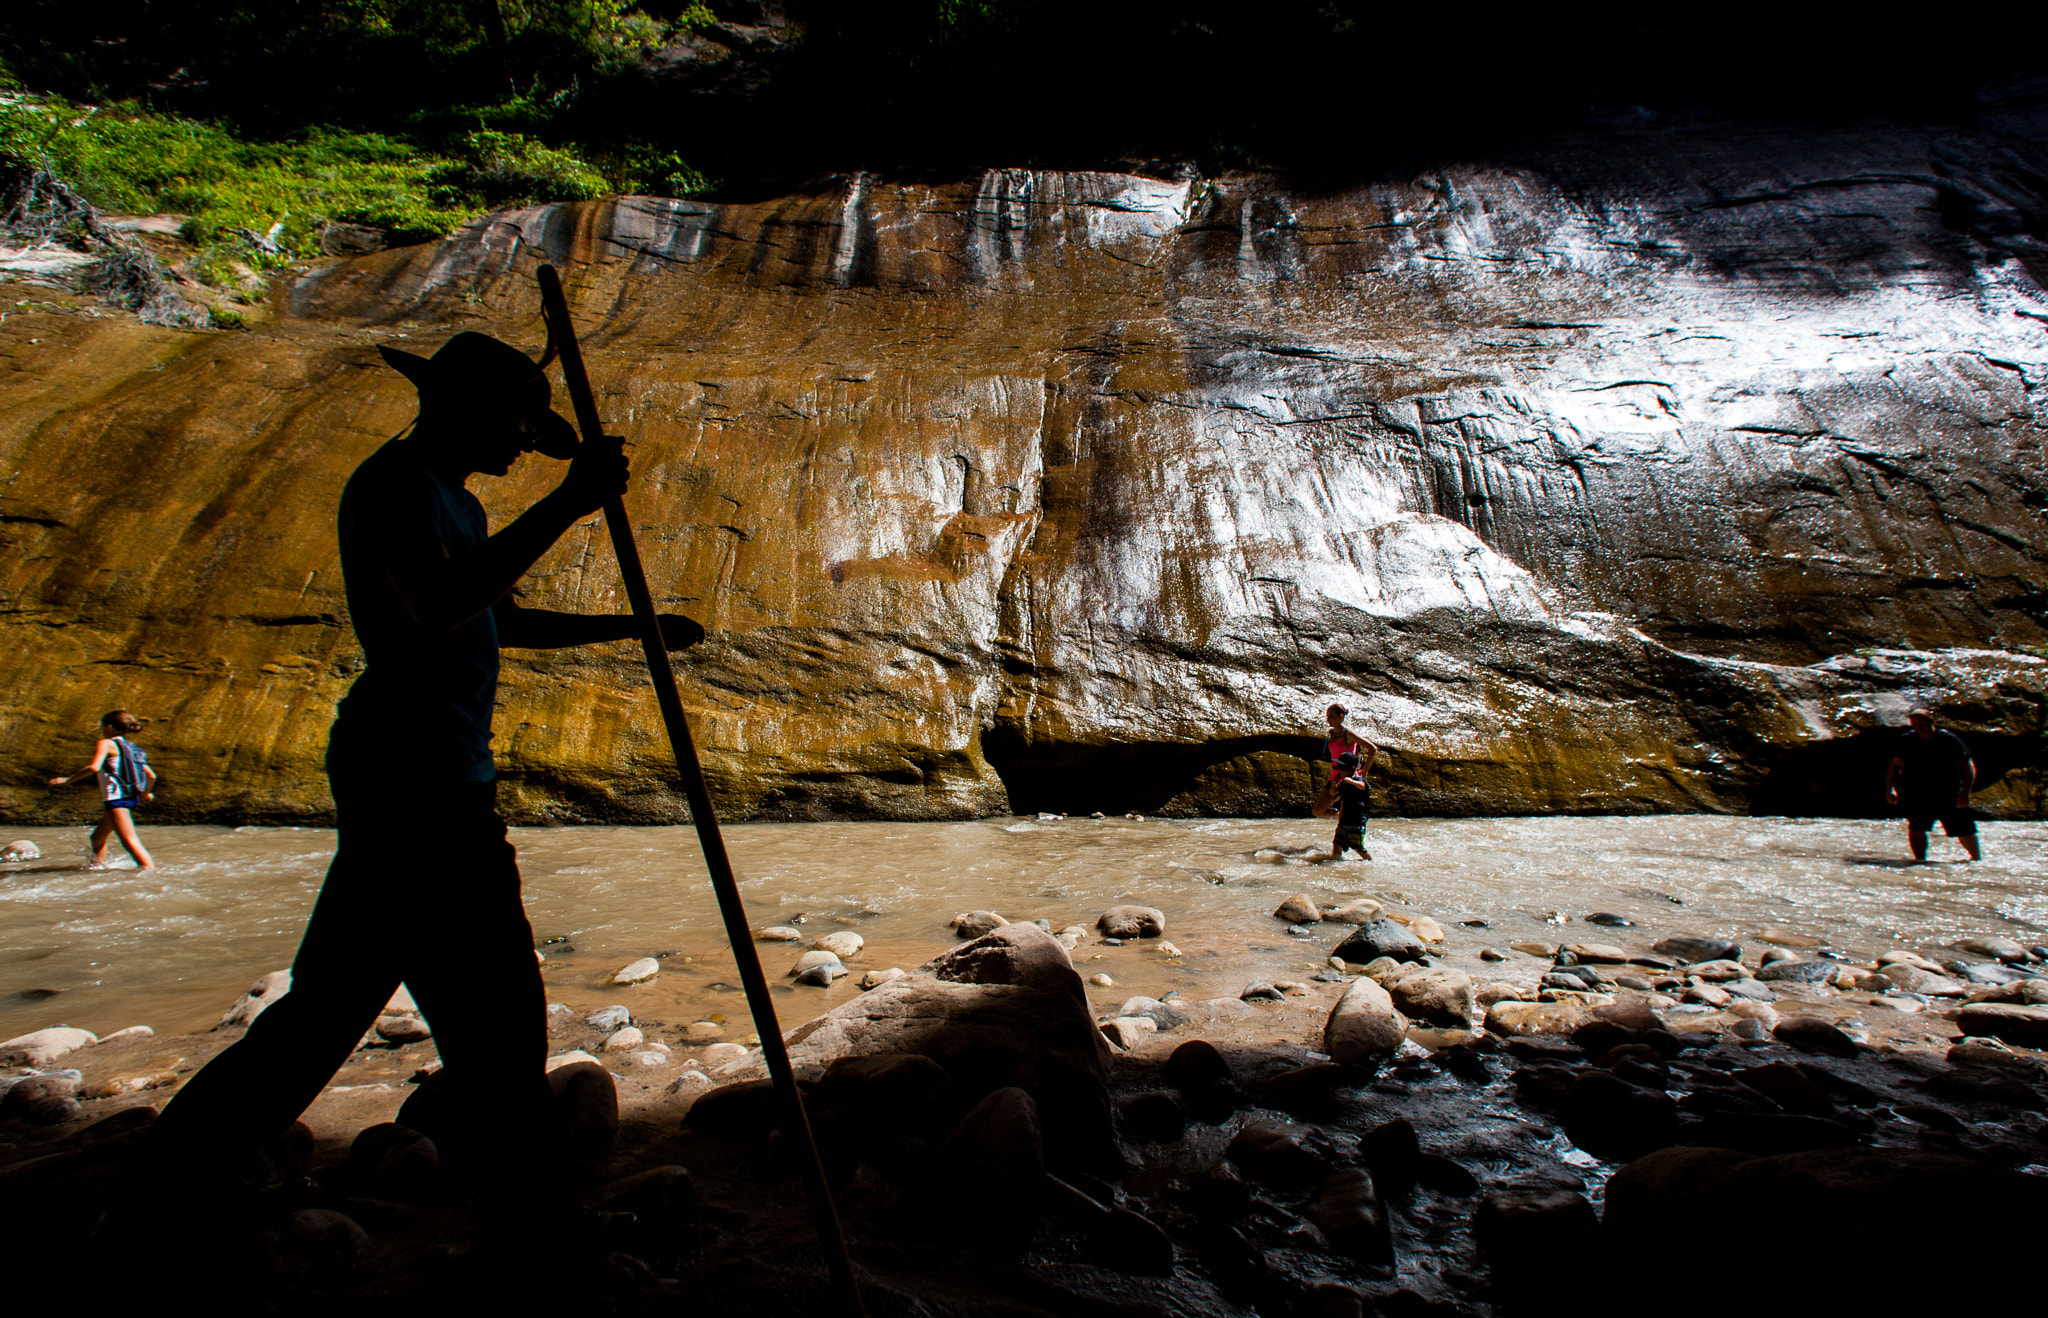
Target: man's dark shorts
(1956, 820)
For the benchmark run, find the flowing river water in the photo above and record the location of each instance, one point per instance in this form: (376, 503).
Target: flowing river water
(174, 947)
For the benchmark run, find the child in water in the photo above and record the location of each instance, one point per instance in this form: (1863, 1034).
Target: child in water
(121, 792)
(1354, 804)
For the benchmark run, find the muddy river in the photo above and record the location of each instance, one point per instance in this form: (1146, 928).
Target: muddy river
(172, 948)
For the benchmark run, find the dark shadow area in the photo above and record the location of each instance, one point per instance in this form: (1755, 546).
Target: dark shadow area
(1843, 777)
(1070, 778)
(764, 95)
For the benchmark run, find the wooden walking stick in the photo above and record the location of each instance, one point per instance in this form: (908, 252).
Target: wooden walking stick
(562, 339)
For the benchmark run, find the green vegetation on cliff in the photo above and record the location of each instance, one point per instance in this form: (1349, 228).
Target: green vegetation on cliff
(266, 156)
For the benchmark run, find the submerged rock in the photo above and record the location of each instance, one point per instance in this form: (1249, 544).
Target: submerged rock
(973, 924)
(1131, 922)
(637, 972)
(606, 1019)
(1299, 909)
(843, 944)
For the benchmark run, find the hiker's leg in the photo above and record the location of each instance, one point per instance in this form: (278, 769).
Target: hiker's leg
(124, 827)
(1962, 826)
(248, 1096)
(100, 833)
(1916, 838)
(488, 1010)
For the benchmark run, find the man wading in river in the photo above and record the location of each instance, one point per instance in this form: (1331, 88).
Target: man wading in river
(1930, 778)
(424, 888)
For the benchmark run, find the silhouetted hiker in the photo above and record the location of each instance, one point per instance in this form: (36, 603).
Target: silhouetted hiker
(125, 780)
(424, 887)
(1930, 778)
(1354, 806)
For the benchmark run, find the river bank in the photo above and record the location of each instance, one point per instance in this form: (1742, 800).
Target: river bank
(1265, 1158)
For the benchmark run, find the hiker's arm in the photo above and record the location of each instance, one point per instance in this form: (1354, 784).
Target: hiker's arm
(1966, 781)
(443, 592)
(1891, 780)
(99, 757)
(1367, 752)
(545, 629)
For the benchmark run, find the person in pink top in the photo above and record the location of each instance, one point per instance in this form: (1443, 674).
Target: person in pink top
(1342, 739)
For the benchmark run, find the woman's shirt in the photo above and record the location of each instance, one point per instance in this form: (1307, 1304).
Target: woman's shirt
(110, 772)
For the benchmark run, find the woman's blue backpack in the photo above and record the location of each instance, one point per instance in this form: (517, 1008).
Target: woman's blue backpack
(133, 775)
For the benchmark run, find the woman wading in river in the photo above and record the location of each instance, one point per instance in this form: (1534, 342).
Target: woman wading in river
(126, 781)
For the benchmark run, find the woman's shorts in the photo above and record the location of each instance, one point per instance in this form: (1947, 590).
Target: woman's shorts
(123, 803)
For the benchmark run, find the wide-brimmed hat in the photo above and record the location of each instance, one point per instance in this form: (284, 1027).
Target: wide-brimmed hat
(478, 369)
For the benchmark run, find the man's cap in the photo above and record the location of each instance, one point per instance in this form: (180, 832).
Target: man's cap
(479, 369)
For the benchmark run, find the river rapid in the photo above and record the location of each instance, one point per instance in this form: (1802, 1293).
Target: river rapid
(174, 947)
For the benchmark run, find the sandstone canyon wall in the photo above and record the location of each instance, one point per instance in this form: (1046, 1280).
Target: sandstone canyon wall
(1644, 471)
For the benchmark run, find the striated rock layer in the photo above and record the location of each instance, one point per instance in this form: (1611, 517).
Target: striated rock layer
(1645, 472)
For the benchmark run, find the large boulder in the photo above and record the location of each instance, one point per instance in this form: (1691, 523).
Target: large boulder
(1364, 1028)
(1377, 938)
(2004, 949)
(1533, 1239)
(42, 1047)
(1610, 1118)
(1439, 995)
(41, 1100)
(2017, 1023)
(1004, 1011)
(1510, 1019)
(586, 1110)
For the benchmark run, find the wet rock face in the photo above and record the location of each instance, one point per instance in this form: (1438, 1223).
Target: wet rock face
(1627, 474)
